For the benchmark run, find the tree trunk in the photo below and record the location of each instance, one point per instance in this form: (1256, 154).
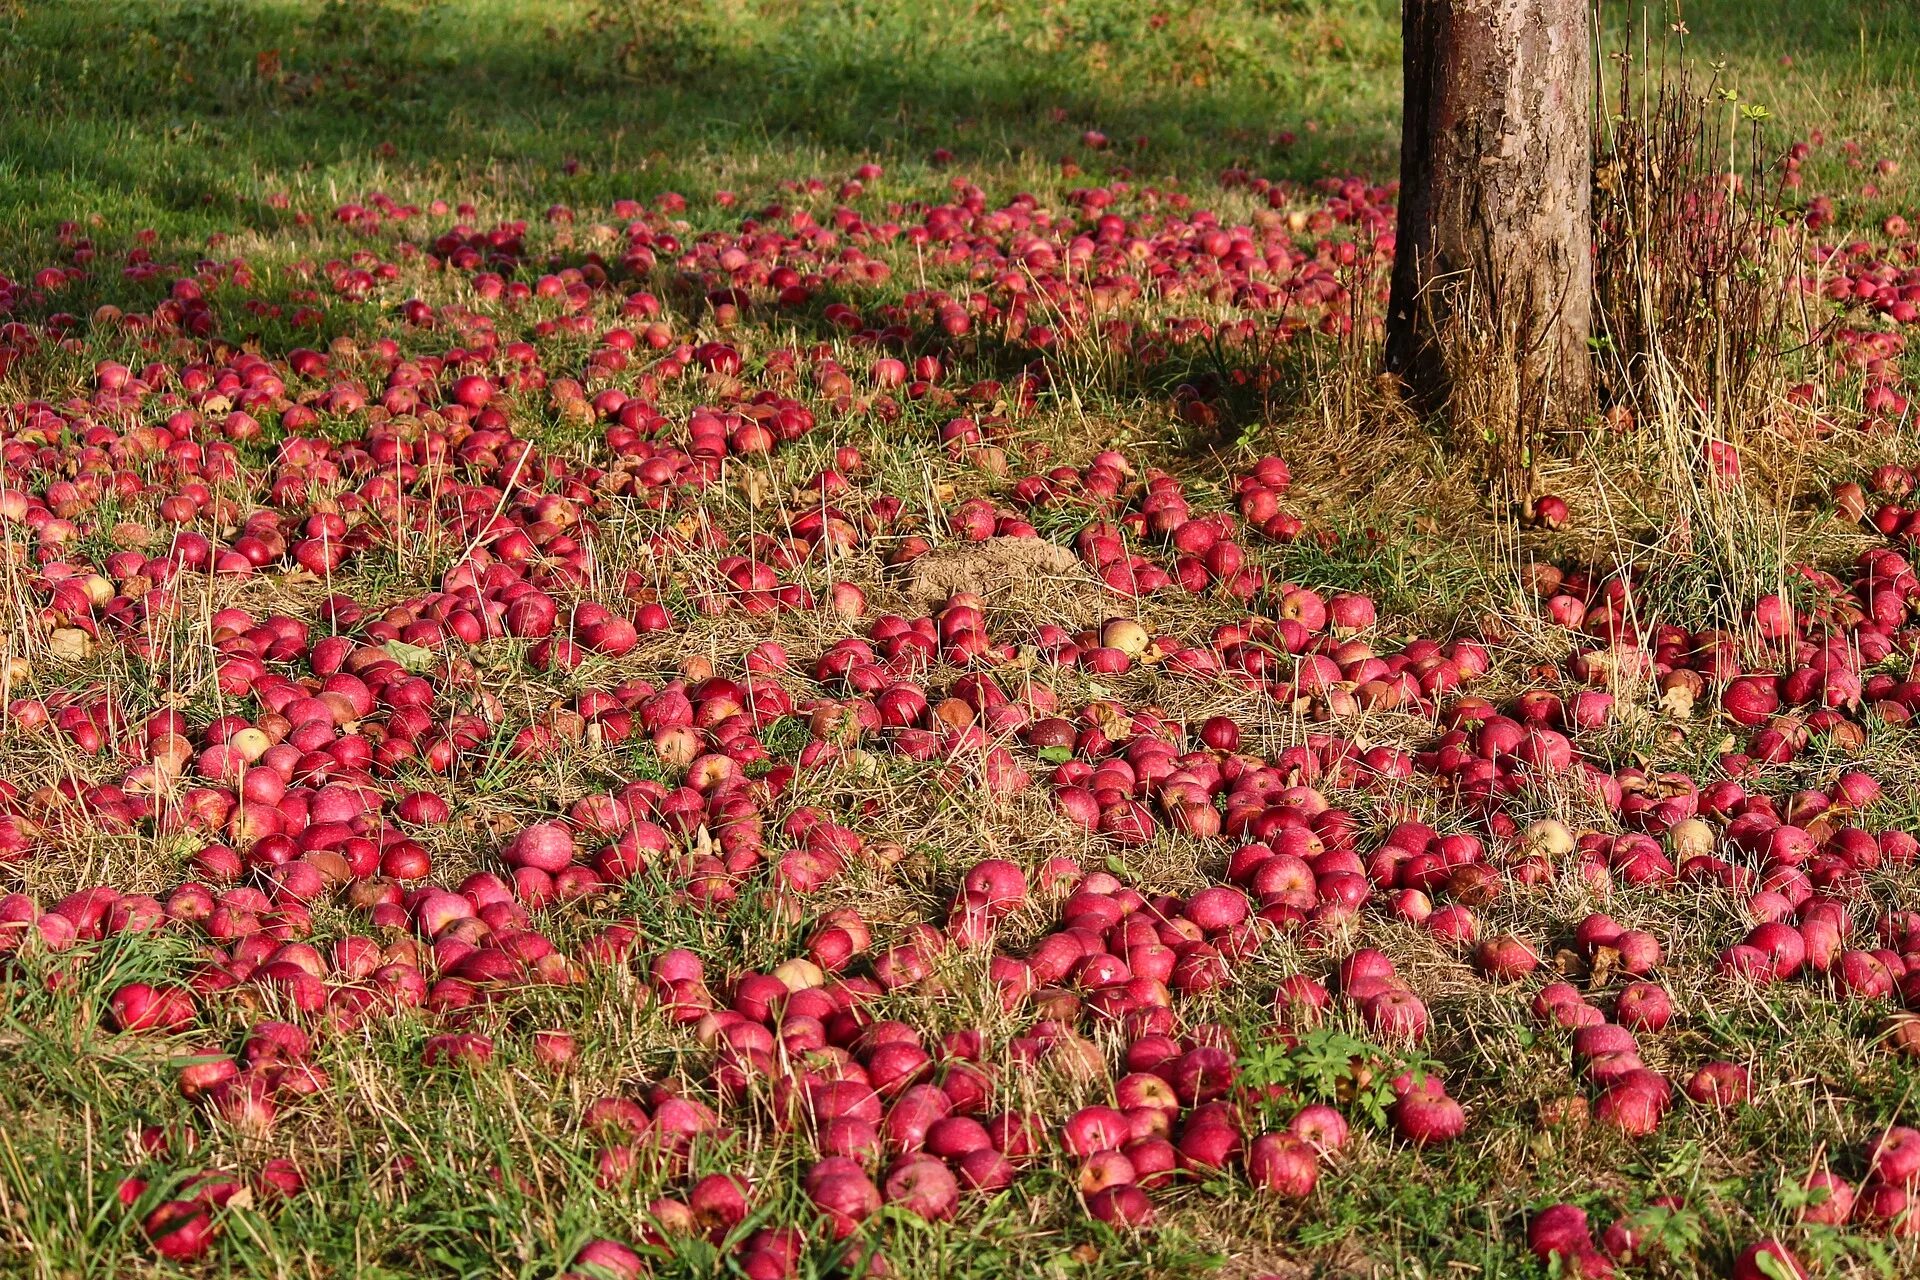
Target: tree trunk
(1492, 273)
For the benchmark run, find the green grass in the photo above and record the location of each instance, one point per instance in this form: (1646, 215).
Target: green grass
(179, 114)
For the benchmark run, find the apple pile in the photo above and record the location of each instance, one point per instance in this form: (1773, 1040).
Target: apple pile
(627, 525)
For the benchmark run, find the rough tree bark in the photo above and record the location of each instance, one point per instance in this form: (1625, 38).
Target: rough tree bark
(1492, 272)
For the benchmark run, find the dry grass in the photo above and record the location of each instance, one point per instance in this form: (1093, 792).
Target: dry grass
(503, 1180)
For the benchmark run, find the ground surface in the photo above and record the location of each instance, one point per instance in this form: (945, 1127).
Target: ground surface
(734, 444)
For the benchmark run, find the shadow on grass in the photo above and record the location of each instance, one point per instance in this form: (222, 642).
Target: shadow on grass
(183, 115)
(185, 110)
(181, 112)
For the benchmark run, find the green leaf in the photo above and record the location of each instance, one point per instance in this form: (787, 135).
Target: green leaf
(1056, 755)
(411, 656)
